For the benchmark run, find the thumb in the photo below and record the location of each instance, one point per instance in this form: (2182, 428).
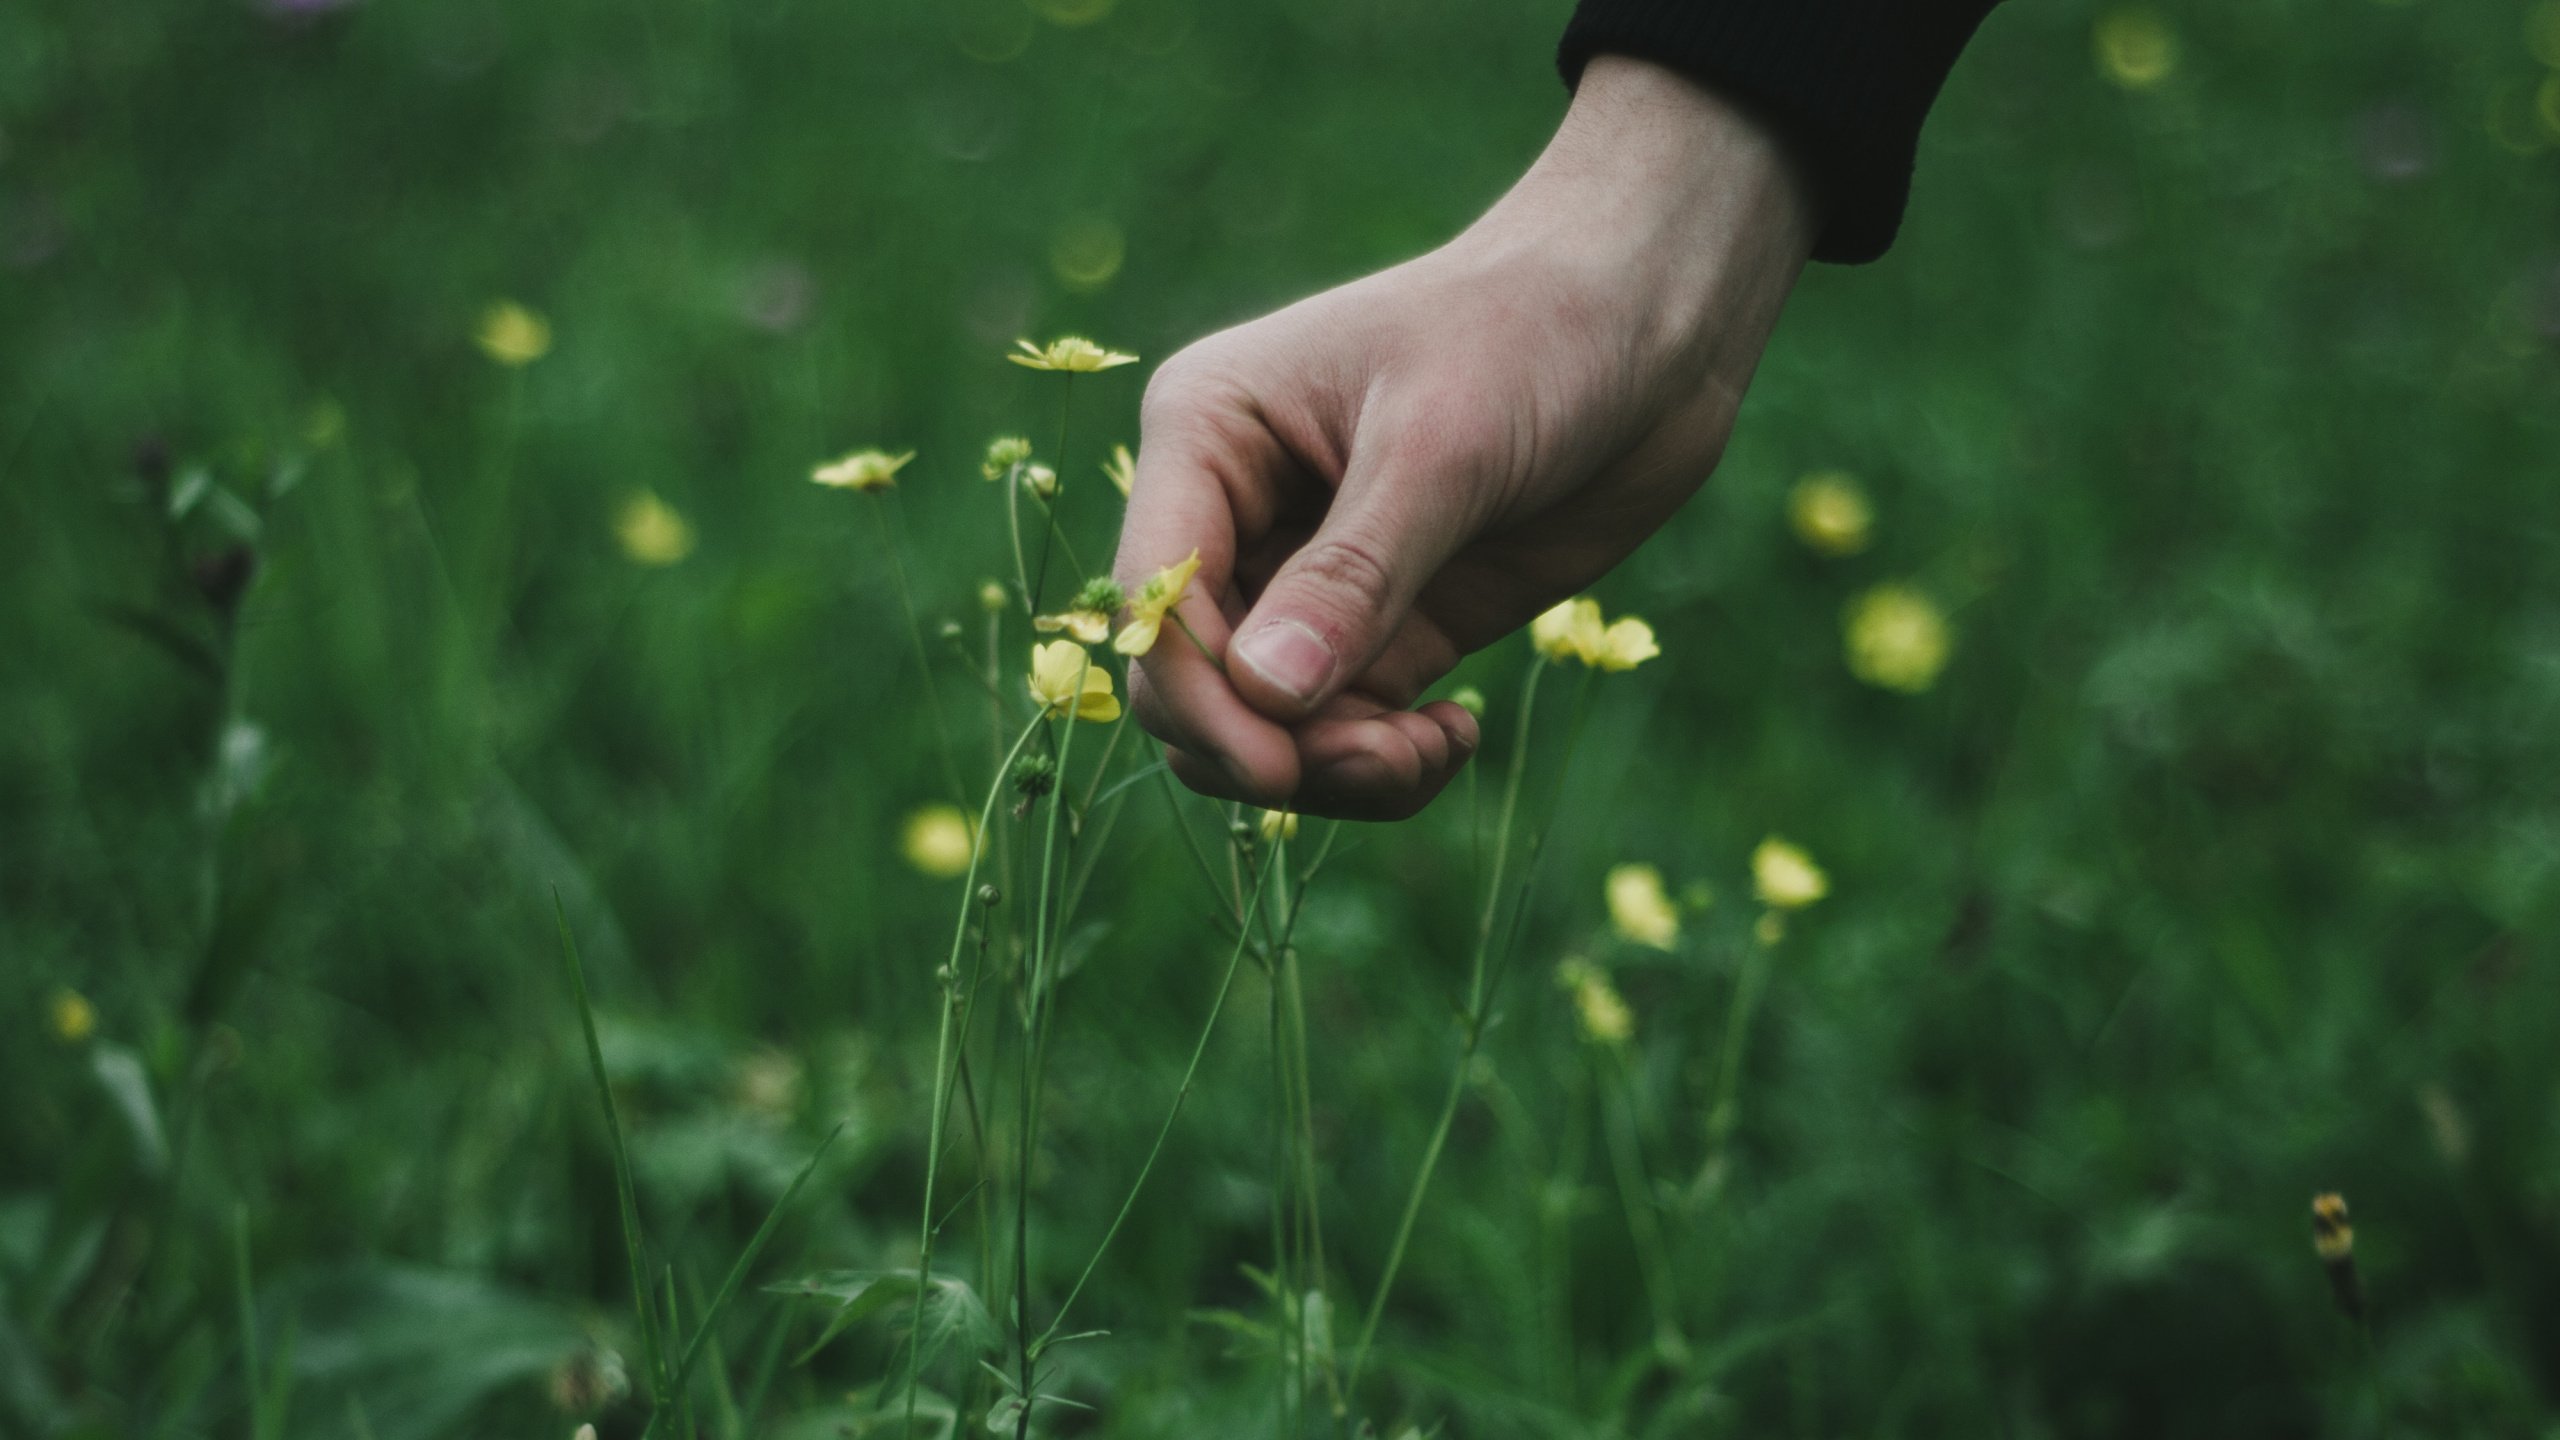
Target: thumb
(1335, 605)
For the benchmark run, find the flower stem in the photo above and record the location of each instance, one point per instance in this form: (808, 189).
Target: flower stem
(915, 634)
(942, 1069)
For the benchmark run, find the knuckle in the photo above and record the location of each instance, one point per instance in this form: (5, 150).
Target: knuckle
(1351, 575)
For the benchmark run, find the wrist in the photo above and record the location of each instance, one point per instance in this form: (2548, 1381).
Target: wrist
(1659, 189)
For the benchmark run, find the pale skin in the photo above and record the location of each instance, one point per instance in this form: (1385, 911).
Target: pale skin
(1387, 476)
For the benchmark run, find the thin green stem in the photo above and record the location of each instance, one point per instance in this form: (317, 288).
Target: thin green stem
(1635, 1194)
(1190, 1072)
(1049, 534)
(915, 635)
(942, 1079)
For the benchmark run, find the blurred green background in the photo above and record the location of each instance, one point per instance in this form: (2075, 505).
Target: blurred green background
(2211, 391)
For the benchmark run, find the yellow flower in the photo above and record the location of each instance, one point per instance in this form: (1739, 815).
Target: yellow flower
(939, 841)
(1896, 638)
(74, 1018)
(1602, 1011)
(651, 531)
(1784, 877)
(1072, 353)
(1155, 600)
(1279, 825)
(512, 335)
(2135, 47)
(1122, 469)
(1830, 513)
(1064, 678)
(1040, 480)
(991, 596)
(1639, 910)
(1469, 699)
(2332, 1234)
(1572, 630)
(1003, 453)
(863, 470)
(1090, 626)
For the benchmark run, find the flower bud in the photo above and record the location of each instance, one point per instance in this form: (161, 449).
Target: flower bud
(991, 596)
(988, 895)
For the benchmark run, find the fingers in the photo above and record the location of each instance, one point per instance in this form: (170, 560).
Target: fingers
(1360, 761)
(1339, 604)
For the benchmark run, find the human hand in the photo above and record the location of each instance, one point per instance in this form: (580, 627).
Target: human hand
(1389, 475)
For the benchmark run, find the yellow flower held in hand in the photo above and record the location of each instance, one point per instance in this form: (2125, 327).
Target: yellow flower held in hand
(1597, 1003)
(512, 335)
(651, 531)
(1154, 601)
(73, 1017)
(1279, 824)
(1572, 630)
(939, 840)
(1897, 638)
(1784, 877)
(1071, 353)
(1639, 910)
(1121, 469)
(1088, 617)
(864, 470)
(1830, 513)
(1064, 678)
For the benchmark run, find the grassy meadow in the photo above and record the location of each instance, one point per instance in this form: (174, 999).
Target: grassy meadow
(408, 552)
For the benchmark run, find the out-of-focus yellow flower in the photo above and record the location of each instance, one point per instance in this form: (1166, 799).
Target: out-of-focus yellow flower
(1064, 678)
(1003, 453)
(73, 1018)
(1279, 824)
(512, 335)
(1122, 469)
(1040, 480)
(1830, 513)
(864, 470)
(1469, 699)
(1572, 630)
(651, 531)
(1770, 928)
(1784, 877)
(1154, 601)
(1086, 252)
(939, 840)
(1071, 353)
(991, 596)
(1639, 910)
(1088, 616)
(1602, 1011)
(2542, 33)
(1897, 638)
(2135, 47)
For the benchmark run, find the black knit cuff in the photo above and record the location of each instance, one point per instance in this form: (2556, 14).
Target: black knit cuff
(1846, 82)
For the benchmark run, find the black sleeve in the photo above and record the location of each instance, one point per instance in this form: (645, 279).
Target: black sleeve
(1847, 82)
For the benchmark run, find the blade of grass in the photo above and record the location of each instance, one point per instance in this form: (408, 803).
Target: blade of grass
(652, 1344)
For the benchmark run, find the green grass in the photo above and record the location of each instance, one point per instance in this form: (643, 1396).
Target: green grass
(2220, 868)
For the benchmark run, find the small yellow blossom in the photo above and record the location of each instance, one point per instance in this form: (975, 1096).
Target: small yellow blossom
(992, 596)
(1003, 453)
(1090, 626)
(1469, 699)
(2135, 47)
(1040, 480)
(1830, 513)
(1572, 630)
(512, 335)
(1896, 638)
(651, 531)
(1279, 825)
(863, 470)
(1064, 678)
(1154, 601)
(1639, 910)
(939, 840)
(1071, 353)
(1121, 469)
(1597, 1003)
(2332, 1233)
(1784, 877)
(74, 1018)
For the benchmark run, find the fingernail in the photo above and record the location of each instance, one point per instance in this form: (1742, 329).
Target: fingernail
(1290, 657)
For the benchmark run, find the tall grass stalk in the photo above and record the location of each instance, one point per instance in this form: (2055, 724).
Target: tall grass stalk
(915, 636)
